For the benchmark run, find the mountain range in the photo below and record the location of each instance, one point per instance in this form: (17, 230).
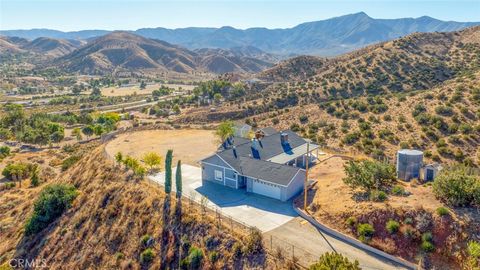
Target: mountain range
(326, 37)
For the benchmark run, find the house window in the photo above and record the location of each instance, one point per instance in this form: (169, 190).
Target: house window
(218, 175)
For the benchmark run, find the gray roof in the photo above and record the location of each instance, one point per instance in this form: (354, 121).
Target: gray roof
(260, 169)
(269, 131)
(254, 163)
(268, 147)
(294, 153)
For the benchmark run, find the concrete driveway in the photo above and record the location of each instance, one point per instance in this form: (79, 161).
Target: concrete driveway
(255, 210)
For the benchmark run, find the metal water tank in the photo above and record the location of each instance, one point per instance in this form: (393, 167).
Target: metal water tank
(409, 163)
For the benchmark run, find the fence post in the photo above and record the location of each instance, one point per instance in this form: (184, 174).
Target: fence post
(271, 242)
(293, 252)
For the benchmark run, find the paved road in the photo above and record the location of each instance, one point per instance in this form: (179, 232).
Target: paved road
(310, 243)
(274, 218)
(264, 213)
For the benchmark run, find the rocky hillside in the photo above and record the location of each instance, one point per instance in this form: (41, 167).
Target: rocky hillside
(114, 219)
(415, 62)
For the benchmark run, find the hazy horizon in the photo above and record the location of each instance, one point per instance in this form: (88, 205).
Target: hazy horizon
(129, 15)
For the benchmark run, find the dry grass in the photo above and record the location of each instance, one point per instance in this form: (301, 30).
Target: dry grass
(115, 91)
(188, 145)
(109, 217)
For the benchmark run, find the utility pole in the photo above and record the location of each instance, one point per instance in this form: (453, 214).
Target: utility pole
(306, 180)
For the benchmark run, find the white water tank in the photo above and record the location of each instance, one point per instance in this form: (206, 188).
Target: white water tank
(409, 163)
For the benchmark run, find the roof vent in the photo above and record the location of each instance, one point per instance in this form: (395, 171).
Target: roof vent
(255, 144)
(284, 138)
(234, 151)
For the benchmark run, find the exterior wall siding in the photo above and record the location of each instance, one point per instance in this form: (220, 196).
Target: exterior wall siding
(295, 186)
(217, 164)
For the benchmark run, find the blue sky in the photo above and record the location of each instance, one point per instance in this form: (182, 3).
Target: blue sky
(69, 15)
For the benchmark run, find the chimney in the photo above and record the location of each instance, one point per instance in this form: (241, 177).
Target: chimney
(284, 138)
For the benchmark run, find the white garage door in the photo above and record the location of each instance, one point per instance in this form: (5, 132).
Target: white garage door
(266, 189)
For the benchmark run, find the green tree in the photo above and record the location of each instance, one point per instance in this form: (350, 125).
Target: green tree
(168, 171)
(335, 261)
(367, 175)
(88, 130)
(77, 132)
(152, 160)
(224, 131)
(52, 202)
(98, 129)
(176, 109)
(4, 151)
(178, 179)
(96, 92)
(34, 179)
(119, 157)
(143, 85)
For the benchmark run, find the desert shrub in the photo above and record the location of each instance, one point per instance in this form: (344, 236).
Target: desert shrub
(213, 256)
(254, 242)
(68, 162)
(442, 211)
(392, 226)
(398, 190)
(332, 260)
(367, 175)
(427, 237)
(351, 138)
(365, 230)
(303, 119)
(145, 240)
(147, 256)
(351, 221)
(427, 246)
(457, 186)
(195, 257)
(473, 249)
(52, 202)
(4, 151)
(378, 196)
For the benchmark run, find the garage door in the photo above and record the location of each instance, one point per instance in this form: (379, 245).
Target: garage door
(266, 189)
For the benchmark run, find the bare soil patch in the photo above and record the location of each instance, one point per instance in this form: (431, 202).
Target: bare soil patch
(188, 145)
(125, 91)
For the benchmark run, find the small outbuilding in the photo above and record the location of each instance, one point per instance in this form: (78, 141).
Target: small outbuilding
(409, 163)
(430, 171)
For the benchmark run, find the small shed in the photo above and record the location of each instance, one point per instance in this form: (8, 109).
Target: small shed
(430, 171)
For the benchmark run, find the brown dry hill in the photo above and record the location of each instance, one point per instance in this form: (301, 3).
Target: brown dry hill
(123, 51)
(104, 227)
(50, 46)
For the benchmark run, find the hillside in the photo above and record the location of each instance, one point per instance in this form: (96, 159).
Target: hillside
(123, 51)
(109, 218)
(415, 62)
(42, 47)
(328, 37)
(51, 47)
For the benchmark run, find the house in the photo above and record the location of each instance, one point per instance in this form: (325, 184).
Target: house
(271, 165)
(241, 130)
